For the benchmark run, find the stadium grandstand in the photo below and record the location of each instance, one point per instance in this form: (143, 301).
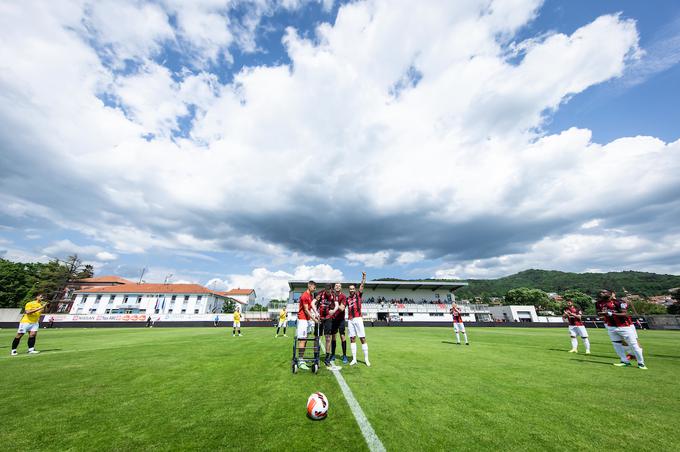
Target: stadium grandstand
(402, 301)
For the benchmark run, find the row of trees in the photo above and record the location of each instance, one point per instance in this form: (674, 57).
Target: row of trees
(230, 306)
(21, 282)
(524, 296)
(641, 283)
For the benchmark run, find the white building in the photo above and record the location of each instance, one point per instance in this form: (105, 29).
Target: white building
(513, 313)
(147, 299)
(244, 296)
(402, 301)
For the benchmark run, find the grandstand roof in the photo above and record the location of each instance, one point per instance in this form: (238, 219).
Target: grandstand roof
(392, 284)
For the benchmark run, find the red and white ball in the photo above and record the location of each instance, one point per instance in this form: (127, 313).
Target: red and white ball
(317, 406)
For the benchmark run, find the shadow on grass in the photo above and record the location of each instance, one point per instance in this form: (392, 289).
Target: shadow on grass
(50, 350)
(449, 342)
(654, 355)
(589, 361)
(580, 354)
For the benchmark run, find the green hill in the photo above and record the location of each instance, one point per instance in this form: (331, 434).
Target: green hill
(641, 283)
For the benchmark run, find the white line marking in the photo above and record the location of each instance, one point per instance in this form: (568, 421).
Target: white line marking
(372, 440)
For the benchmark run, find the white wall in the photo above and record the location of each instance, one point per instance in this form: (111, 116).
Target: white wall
(550, 319)
(410, 312)
(10, 315)
(250, 300)
(512, 313)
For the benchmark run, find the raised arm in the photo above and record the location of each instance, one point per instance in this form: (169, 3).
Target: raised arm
(363, 282)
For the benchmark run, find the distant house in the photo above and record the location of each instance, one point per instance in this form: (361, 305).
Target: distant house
(243, 296)
(555, 297)
(664, 300)
(147, 299)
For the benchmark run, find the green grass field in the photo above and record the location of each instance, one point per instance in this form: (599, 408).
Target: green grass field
(201, 388)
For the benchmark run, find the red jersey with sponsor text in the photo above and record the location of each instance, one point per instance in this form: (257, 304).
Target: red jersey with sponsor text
(341, 300)
(613, 306)
(354, 305)
(575, 311)
(305, 300)
(326, 305)
(606, 306)
(457, 317)
(621, 306)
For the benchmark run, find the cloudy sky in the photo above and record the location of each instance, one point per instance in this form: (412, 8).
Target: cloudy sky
(246, 142)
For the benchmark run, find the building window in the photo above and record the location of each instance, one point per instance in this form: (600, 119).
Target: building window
(111, 298)
(139, 299)
(174, 297)
(195, 311)
(108, 311)
(184, 311)
(84, 300)
(125, 299)
(199, 298)
(186, 298)
(98, 299)
(93, 310)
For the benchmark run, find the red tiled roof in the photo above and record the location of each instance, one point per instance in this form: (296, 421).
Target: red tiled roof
(233, 292)
(151, 288)
(106, 279)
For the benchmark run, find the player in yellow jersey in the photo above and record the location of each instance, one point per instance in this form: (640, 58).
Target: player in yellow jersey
(237, 322)
(30, 323)
(283, 322)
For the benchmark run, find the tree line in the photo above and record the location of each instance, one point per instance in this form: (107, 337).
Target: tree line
(21, 282)
(525, 296)
(639, 283)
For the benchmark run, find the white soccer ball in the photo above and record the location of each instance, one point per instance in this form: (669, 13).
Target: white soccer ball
(317, 406)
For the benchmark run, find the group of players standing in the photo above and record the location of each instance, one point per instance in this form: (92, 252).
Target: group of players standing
(617, 321)
(329, 312)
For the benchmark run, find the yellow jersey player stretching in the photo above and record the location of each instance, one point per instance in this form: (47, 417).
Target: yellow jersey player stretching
(283, 322)
(30, 323)
(237, 322)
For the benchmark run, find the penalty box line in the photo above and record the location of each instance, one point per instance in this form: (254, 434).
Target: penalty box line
(372, 440)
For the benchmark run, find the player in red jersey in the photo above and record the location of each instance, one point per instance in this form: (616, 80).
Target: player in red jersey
(356, 322)
(327, 309)
(339, 322)
(619, 326)
(458, 325)
(576, 327)
(306, 314)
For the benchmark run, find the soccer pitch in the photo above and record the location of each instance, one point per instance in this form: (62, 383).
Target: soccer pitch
(201, 388)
